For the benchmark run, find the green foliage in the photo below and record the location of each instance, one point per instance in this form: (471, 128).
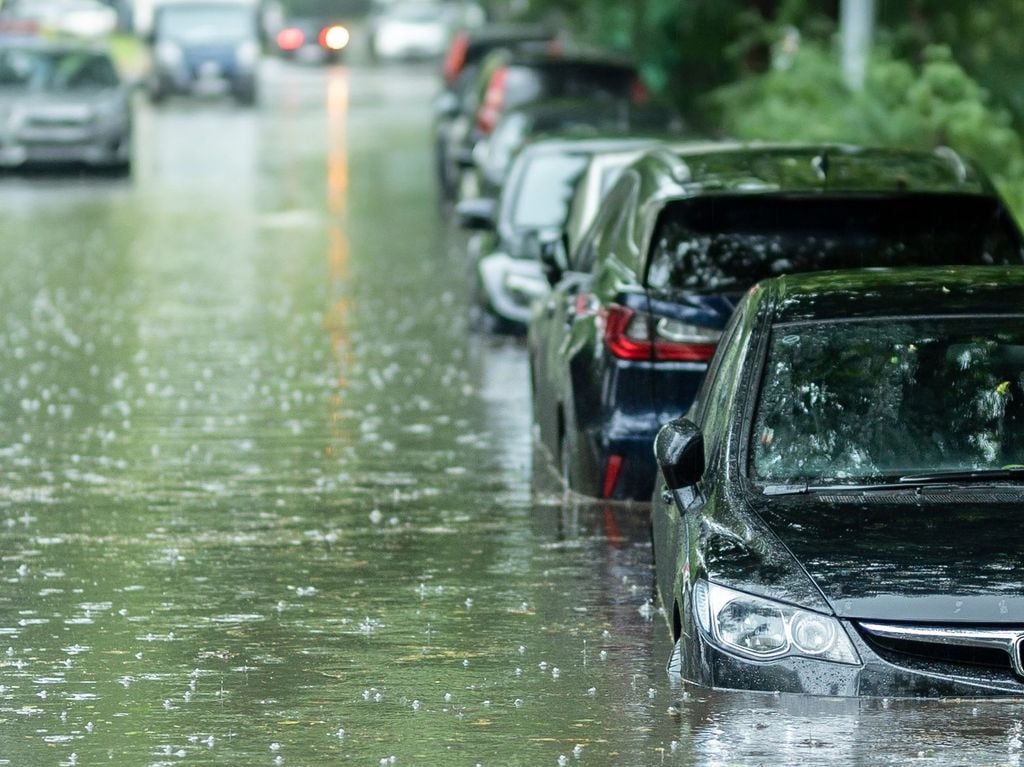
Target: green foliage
(934, 104)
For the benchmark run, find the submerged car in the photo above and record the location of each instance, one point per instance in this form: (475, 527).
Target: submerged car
(506, 274)
(833, 512)
(205, 47)
(621, 344)
(63, 104)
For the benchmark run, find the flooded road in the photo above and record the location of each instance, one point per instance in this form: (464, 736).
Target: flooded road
(266, 500)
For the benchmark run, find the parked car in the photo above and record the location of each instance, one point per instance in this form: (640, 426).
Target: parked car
(508, 81)
(621, 344)
(580, 118)
(832, 518)
(205, 46)
(313, 40)
(506, 274)
(88, 19)
(455, 104)
(62, 103)
(410, 30)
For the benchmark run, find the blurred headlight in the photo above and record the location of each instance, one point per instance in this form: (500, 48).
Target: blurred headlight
(334, 37)
(169, 54)
(761, 629)
(248, 53)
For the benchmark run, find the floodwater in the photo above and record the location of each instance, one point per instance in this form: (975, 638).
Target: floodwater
(264, 499)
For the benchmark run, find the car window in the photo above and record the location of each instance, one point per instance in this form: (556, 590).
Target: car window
(55, 70)
(867, 400)
(716, 393)
(604, 223)
(729, 242)
(546, 184)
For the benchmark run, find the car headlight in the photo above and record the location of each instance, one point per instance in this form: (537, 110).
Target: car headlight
(169, 54)
(762, 629)
(248, 53)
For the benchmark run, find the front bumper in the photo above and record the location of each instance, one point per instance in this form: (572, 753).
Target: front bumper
(875, 677)
(97, 148)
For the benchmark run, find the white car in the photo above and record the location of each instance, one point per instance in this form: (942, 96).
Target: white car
(411, 30)
(87, 19)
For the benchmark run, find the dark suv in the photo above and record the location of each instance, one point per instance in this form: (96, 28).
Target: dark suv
(506, 82)
(621, 344)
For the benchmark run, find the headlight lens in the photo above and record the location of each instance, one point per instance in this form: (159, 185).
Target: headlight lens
(762, 629)
(169, 54)
(248, 53)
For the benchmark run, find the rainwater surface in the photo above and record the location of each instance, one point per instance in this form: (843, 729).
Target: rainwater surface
(266, 500)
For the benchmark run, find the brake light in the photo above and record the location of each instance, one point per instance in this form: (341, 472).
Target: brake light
(290, 39)
(494, 99)
(334, 37)
(612, 470)
(639, 93)
(456, 57)
(629, 336)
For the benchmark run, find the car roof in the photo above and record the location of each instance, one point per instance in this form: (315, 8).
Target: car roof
(511, 33)
(797, 168)
(885, 293)
(544, 60)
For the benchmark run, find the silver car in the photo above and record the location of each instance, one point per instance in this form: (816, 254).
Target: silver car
(62, 103)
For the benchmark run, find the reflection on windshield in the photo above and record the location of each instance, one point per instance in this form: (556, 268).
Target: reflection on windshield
(55, 70)
(203, 24)
(542, 200)
(877, 399)
(729, 242)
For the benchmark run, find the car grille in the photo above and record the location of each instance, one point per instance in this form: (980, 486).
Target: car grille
(994, 650)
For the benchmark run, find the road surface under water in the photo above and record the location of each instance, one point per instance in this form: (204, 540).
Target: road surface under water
(264, 499)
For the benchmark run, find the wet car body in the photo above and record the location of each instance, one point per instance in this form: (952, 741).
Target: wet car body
(917, 575)
(62, 104)
(201, 48)
(508, 81)
(608, 117)
(506, 274)
(621, 344)
(454, 106)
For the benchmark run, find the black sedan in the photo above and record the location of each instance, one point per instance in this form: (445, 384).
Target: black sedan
(621, 344)
(836, 514)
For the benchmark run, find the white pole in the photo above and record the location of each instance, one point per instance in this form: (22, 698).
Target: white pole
(857, 19)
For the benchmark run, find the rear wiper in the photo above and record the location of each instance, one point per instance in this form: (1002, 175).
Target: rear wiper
(969, 475)
(804, 489)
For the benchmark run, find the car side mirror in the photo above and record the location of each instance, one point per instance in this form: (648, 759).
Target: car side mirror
(554, 258)
(479, 213)
(679, 448)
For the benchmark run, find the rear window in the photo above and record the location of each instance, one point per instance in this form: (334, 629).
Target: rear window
(727, 243)
(567, 81)
(542, 200)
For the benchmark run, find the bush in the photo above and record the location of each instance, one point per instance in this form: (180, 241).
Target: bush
(900, 105)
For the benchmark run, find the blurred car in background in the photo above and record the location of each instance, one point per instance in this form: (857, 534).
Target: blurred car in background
(456, 103)
(313, 40)
(578, 118)
(88, 19)
(203, 47)
(621, 344)
(506, 274)
(418, 29)
(62, 103)
(508, 81)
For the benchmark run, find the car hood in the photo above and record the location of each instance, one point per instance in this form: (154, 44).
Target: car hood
(949, 557)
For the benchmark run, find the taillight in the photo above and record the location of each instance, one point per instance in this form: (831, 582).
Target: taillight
(639, 93)
(456, 57)
(629, 336)
(290, 39)
(334, 37)
(494, 99)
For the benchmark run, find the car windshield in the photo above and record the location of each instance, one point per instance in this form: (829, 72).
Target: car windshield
(542, 198)
(38, 70)
(856, 401)
(198, 24)
(729, 242)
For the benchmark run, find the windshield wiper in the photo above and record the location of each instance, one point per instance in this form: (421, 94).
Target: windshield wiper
(969, 475)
